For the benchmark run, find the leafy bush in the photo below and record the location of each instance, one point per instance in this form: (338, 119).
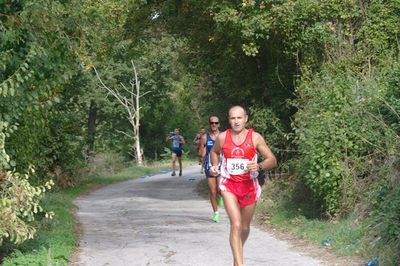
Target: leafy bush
(348, 140)
(383, 193)
(340, 134)
(323, 138)
(19, 204)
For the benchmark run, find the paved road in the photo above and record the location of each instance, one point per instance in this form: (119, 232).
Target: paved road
(160, 220)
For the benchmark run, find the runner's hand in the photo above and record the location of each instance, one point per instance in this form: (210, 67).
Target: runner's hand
(214, 171)
(252, 166)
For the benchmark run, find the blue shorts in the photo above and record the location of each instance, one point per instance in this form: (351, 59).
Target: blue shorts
(177, 151)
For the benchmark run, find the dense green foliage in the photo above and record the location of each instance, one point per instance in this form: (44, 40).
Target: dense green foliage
(319, 78)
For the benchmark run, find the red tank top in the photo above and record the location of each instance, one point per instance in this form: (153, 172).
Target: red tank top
(235, 157)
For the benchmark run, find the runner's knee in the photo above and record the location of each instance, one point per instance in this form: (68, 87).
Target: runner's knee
(245, 228)
(236, 226)
(213, 192)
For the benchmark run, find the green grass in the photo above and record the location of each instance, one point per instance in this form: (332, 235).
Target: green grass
(344, 236)
(56, 239)
(340, 235)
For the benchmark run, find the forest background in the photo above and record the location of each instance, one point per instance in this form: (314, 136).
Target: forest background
(320, 79)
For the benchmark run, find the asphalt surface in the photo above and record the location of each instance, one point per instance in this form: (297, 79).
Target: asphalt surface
(161, 220)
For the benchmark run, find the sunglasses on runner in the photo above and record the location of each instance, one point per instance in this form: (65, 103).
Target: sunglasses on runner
(214, 123)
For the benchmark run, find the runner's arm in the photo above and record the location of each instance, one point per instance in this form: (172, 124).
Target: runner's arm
(203, 147)
(269, 161)
(215, 152)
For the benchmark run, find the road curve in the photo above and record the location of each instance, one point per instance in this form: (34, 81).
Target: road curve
(160, 220)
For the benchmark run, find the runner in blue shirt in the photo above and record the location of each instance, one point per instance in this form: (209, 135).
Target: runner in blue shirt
(207, 142)
(176, 149)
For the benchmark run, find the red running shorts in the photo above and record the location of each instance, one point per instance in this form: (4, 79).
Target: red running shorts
(246, 192)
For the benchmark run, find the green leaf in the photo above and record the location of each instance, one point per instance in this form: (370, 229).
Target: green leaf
(12, 91)
(5, 89)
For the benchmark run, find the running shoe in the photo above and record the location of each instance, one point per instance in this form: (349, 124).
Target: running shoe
(215, 217)
(220, 201)
(180, 173)
(173, 173)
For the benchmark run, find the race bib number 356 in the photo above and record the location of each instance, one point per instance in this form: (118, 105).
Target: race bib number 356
(237, 166)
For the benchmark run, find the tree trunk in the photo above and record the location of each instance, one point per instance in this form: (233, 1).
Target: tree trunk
(139, 158)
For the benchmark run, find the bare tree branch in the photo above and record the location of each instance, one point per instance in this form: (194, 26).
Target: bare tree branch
(124, 133)
(132, 106)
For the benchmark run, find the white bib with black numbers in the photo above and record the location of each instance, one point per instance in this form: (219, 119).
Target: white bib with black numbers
(236, 166)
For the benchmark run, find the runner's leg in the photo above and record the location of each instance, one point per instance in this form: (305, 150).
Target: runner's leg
(212, 184)
(233, 210)
(246, 214)
(173, 162)
(180, 164)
